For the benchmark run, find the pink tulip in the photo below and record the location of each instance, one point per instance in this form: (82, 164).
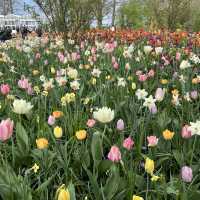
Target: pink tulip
(128, 143)
(5, 89)
(37, 56)
(143, 77)
(151, 73)
(186, 174)
(159, 95)
(23, 83)
(138, 73)
(120, 125)
(178, 56)
(51, 120)
(152, 141)
(6, 129)
(114, 154)
(153, 109)
(116, 65)
(194, 94)
(46, 62)
(185, 132)
(91, 123)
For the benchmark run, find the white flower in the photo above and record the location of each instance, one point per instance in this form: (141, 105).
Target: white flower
(104, 115)
(48, 84)
(75, 85)
(72, 73)
(147, 49)
(194, 58)
(42, 78)
(149, 102)
(121, 82)
(87, 53)
(160, 93)
(141, 94)
(96, 72)
(20, 106)
(195, 127)
(158, 50)
(185, 64)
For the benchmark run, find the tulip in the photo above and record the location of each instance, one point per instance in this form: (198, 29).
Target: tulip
(185, 132)
(120, 125)
(63, 193)
(149, 166)
(51, 120)
(6, 129)
(57, 114)
(42, 143)
(128, 143)
(114, 154)
(194, 94)
(159, 95)
(81, 134)
(151, 73)
(186, 174)
(58, 132)
(5, 89)
(143, 77)
(91, 123)
(135, 197)
(152, 141)
(168, 135)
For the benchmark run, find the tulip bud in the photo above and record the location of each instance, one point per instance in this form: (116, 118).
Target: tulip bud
(120, 125)
(186, 174)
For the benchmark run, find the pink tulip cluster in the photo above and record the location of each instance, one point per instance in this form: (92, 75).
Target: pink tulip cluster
(6, 129)
(24, 84)
(143, 77)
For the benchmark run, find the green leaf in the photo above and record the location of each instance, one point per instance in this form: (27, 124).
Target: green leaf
(22, 140)
(72, 191)
(44, 185)
(96, 148)
(112, 184)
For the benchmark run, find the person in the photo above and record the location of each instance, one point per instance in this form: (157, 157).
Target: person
(5, 35)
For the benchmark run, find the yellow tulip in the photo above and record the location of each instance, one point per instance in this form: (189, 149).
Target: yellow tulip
(81, 135)
(168, 135)
(58, 132)
(62, 193)
(137, 198)
(42, 143)
(149, 166)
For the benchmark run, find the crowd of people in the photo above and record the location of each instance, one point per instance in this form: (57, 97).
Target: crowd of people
(8, 33)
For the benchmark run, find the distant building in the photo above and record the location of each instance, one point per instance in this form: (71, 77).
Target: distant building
(16, 21)
(6, 7)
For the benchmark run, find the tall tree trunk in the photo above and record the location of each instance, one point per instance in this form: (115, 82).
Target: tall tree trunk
(113, 12)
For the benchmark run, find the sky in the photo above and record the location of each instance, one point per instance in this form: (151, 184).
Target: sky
(19, 6)
(19, 10)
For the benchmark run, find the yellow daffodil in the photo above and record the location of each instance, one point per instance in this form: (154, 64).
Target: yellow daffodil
(154, 178)
(35, 168)
(133, 86)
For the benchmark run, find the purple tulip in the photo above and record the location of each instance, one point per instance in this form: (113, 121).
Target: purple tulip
(120, 125)
(186, 174)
